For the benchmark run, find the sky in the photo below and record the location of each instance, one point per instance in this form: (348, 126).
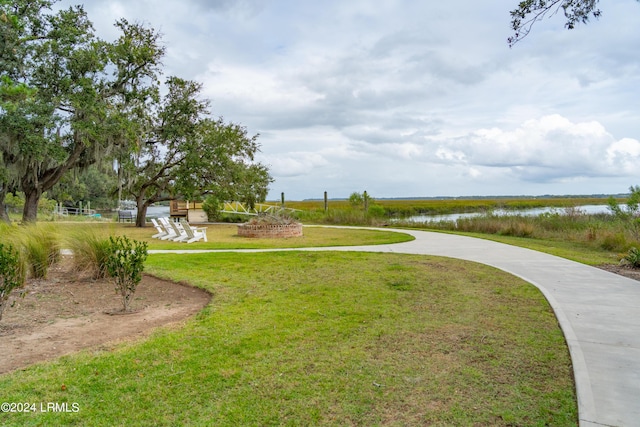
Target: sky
(406, 98)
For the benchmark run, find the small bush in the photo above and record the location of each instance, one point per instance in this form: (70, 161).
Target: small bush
(614, 242)
(11, 273)
(632, 258)
(211, 207)
(376, 211)
(278, 218)
(125, 264)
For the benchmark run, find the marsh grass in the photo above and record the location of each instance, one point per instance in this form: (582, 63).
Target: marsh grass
(399, 208)
(596, 235)
(307, 338)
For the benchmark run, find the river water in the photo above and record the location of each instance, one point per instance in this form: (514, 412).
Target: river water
(586, 209)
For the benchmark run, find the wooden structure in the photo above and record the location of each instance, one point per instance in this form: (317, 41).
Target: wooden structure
(190, 211)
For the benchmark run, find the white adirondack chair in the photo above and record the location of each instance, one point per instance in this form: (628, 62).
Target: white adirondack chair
(172, 232)
(178, 229)
(161, 231)
(193, 233)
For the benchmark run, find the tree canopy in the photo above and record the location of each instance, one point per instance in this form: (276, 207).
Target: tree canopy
(189, 155)
(69, 99)
(63, 92)
(529, 12)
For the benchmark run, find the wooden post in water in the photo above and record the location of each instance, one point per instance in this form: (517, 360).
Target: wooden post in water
(326, 203)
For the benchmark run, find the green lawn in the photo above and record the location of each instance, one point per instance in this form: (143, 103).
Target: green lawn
(224, 236)
(306, 338)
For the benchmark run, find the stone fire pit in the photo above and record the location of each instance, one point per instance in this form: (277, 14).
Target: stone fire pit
(270, 226)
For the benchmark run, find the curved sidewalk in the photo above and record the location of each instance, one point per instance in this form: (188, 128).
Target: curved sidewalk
(598, 311)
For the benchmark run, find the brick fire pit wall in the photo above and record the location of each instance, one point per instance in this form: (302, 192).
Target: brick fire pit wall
(270, 231)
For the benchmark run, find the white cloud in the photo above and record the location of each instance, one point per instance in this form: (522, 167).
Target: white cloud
(412, 98)
(294, 164)
(548, 149)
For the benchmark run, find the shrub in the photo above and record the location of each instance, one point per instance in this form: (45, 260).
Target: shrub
(11, 273)
(632, 258)
(211, 207)
(629, 216)
(376, 211)
(614, 242)
(278, 218)
(356, 200)
(125, 264)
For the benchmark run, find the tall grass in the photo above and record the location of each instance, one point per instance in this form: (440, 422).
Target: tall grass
(39, 246)
(598, 231)
(402, 208)
(90, 251)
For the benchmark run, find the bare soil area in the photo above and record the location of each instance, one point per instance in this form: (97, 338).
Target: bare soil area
(631, 273)
(67, 312)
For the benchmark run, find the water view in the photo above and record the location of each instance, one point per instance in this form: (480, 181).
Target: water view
(586, 209)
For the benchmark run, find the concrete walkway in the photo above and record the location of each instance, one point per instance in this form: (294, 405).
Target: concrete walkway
(598, 311)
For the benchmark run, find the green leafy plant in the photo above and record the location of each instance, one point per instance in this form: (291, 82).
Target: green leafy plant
(11, 273)
(356, 200)
(632, 258)
(211, 206)
(125, 264)
(629, 216)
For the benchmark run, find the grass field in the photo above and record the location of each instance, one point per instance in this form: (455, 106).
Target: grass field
(224, 236)
(329, 338)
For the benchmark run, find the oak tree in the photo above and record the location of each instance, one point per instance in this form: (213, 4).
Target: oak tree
(186, 154)
(65, 94)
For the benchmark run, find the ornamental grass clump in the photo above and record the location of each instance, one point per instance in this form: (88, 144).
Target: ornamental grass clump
(41, 246)
(11, 273)
(90, 252)
(125, 264)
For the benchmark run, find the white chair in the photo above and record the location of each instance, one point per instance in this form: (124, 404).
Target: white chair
(161, 231)
(193, 233)
(172, 232)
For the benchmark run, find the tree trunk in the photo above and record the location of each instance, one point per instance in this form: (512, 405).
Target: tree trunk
(4, 214)
(142, 212)
(31, 199)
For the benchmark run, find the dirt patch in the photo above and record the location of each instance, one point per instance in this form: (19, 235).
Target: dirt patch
(631, 273)
(67, 312)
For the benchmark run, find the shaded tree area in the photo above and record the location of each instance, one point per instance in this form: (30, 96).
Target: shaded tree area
(64, 91)
(529, 12)
(96, 185)
(69, 100)
(189, 155)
